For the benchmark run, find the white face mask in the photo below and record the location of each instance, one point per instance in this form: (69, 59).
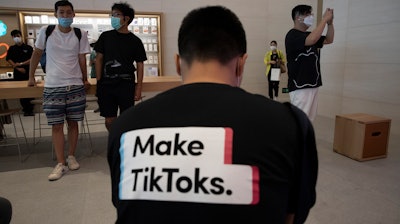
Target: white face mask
(17, 40)
(272, 48)
(309, 20)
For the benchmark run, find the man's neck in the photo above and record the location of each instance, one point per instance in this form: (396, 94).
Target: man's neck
(211, 71)
(64, 29)
(123, 29)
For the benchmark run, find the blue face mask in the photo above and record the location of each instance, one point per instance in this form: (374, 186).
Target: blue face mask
(65, 22)
(115, 22)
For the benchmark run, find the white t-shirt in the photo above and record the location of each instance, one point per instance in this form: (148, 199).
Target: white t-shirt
(62, 61)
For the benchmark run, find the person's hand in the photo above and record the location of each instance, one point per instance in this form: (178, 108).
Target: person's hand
(328, 16)
(17, 65)
(87, 85)
(272, 62)
(22, 70)
(31, 82)
(138, 92)
(138, 96)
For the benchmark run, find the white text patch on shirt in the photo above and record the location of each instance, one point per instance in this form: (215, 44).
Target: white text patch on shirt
(187, 164)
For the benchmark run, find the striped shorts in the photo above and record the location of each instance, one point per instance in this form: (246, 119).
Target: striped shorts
(60, 103)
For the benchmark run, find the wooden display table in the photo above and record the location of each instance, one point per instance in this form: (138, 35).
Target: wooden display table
(20, 89)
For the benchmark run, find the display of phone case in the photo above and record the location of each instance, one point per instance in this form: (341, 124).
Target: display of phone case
(145, 25)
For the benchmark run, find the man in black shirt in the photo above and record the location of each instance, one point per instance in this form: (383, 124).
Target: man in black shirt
(303, 57)
(19, 57)
(116, 51)
(208, 150)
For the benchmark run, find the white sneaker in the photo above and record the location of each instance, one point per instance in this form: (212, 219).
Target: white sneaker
(58, 171)
(72, 163)
(275, 98)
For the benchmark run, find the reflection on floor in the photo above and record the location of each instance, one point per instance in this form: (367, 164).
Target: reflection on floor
(349, 192)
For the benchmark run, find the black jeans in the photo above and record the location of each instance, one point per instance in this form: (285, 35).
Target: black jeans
(273, 87)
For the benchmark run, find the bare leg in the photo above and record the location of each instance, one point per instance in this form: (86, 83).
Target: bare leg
(58, 141)
(108, 122)
(73, 132)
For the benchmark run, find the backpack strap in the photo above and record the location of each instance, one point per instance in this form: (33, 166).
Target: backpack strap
(49, 30)
(78, 33)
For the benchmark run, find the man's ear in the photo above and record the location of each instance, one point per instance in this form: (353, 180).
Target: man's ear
(178, 64)
(240, 65)
(299, 18)
(126, 19)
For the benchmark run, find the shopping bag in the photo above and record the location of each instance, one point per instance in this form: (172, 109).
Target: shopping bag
(283, 68)
(275, 74)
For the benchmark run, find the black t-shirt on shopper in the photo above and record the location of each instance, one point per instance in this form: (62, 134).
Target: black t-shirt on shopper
(204, 152)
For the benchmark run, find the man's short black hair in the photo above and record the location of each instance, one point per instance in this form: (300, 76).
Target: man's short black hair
(212, 32)
(15, 33)
(63, 3)
(273, 41)
(301, 10)
(126, 9)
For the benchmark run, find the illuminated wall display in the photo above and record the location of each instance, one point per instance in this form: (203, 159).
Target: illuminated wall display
(3, 50)
(3, 46)
(3, 28)
(145, 25)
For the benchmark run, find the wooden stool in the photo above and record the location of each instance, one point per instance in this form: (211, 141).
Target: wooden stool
(40, 125)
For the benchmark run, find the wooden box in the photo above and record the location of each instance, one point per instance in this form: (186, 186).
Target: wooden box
(361, 136)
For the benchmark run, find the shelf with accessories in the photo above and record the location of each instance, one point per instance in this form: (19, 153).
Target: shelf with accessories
(147, 26)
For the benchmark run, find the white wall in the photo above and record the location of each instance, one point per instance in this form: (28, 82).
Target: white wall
(359, 70)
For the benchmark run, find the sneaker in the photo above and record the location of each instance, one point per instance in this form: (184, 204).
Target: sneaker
(58, 171)
(275, 98)
(72, 163)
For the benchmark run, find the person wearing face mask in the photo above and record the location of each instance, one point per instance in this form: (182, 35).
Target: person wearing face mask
(303, 57)
(208, 148)
(273, 59)
(116, 52)
(64, 95)
(19, 57)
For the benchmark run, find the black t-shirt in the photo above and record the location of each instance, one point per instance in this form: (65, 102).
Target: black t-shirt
(274, 57)
(204, 152)
(120, 51)
(303, 62)
(20, 54)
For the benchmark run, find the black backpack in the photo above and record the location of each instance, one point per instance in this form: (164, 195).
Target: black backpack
(49, 30)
